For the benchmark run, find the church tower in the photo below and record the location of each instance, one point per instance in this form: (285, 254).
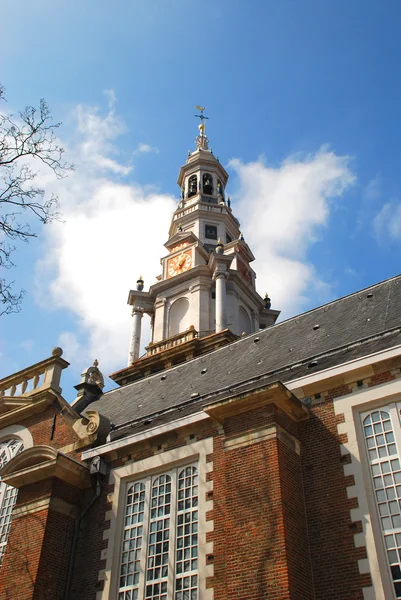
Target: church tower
(205, 296)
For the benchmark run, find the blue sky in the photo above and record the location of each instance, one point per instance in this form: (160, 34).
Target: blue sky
(304, 103)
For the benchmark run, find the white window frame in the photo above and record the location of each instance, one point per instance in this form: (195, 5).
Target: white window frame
(191, 453)
(393, 409)
(349, 407)
(146, 522)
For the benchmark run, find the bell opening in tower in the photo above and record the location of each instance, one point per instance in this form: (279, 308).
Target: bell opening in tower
(192, 186)
(207, 184)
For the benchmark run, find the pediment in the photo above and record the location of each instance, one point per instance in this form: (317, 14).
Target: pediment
(181, 237)
(44, 462)
(29, 458)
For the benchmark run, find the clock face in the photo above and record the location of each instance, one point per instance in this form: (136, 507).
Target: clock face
(179, 264)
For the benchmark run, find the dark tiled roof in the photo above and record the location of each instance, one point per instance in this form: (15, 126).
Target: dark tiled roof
(337, 332)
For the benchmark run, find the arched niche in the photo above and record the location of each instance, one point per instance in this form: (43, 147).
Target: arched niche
(207, 182)
(192, 186)
(179, 316)
(244, 321)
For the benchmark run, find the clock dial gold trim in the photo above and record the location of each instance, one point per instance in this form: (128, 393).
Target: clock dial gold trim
(179, 264)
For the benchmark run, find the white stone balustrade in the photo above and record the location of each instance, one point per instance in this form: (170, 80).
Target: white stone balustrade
(186, 336)
(38, 377)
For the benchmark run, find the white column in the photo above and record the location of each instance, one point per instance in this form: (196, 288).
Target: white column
(137, 314)
(255, 324)
(165, 318)
(221, 301)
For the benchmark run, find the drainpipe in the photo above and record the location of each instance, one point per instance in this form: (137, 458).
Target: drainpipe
(99, 469)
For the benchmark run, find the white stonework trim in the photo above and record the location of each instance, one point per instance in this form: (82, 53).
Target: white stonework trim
(30, 508)
(260, 435)
(358, 363)
(55, 504)
(351, 405)
(139, 437)
(18, 431)
(196, 451)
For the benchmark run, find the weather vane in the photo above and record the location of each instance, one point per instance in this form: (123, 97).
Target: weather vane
(202, 143)
(201, 116)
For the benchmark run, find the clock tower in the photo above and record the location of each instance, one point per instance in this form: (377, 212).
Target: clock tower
(205, 296)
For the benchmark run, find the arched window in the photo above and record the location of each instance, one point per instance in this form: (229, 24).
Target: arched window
(207, 184)
(8, 494)
(192, 186)
(385, 471)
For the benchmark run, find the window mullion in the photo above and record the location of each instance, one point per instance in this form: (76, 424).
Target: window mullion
(173, 531)
(145, 539)
(395, 418)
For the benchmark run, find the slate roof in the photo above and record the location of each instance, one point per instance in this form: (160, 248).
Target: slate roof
(347, 328)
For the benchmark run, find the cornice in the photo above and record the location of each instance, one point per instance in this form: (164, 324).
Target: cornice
(172, 282)
(274, 393)
(26, 406)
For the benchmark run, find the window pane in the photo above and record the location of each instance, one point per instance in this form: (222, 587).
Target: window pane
(158, 548)
(132, 544)
(186, 582)
(378, 429)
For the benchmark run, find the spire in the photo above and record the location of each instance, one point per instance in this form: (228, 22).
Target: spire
(202, 142)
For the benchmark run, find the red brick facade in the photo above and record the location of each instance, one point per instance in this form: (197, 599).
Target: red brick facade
(281, 515)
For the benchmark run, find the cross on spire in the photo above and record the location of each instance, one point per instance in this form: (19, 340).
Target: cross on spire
(201, 116)
(201, 141)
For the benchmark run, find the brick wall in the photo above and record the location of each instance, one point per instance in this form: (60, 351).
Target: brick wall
(41, 428)
(331, 533)
(36, 561)
(260, 542)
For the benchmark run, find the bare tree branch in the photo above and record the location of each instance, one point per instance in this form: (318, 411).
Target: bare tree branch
(25, 137)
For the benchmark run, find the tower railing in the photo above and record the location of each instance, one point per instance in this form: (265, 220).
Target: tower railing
(175, 340)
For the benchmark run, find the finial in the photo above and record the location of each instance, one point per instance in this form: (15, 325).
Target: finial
(93, 376)
(139, 284)
(57, 351)
(219, 247)
(202, 143)
(267, 301)
(229, 202)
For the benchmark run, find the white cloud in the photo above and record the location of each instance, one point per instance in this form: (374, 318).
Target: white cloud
(282, 211)
(112, 231)
(387, 222)
(146, 149)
